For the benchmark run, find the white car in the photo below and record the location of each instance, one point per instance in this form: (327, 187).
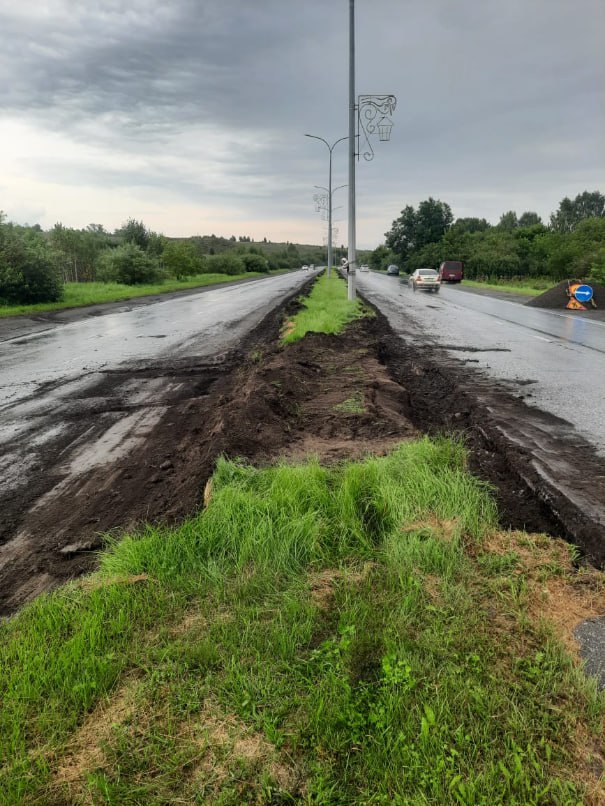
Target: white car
(425, 280)
(364, 267)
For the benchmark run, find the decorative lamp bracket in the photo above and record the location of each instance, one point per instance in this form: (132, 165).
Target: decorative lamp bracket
(373, 116)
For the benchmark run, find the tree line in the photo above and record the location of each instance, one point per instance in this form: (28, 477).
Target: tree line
(572, 244)
(35, 264)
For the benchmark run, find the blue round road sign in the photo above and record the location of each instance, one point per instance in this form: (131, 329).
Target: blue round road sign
(583, 293)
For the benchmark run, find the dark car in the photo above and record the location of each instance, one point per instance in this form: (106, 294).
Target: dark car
(451, 271)
(393, 270)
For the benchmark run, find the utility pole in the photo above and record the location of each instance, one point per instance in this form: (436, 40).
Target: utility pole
(352, 154)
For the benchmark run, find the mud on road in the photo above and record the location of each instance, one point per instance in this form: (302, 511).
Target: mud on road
(330, 396)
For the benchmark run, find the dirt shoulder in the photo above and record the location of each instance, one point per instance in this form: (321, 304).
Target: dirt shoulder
(333, 397)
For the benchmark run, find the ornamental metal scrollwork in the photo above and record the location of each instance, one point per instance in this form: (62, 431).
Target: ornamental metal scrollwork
(321, 201)
(373, 115)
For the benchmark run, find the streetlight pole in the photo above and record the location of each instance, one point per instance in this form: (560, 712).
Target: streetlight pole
(367, 108)
(330, 149)
(352, 155)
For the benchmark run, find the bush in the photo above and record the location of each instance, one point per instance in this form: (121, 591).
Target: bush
(254, 262)
(180, 259)
(128, 264)
(27, 273)
(225, 263)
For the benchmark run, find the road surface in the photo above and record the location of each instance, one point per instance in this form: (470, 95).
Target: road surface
(48, 378)
(554, 360)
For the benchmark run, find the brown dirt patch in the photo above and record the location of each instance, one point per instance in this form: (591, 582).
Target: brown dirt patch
(225, 741)
(85, 752)
(557, 592)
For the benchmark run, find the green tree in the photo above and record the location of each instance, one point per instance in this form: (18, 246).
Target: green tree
(529, 219)
(129, 264)
(381, 257)
(255, 262)
(415, 229)
(136, 232)
(463, 225)
(570, 213)
(77, 250)
(28, 273)
(508, 221)
(180, 258)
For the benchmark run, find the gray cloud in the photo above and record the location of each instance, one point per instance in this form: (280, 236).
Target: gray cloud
(499, 105)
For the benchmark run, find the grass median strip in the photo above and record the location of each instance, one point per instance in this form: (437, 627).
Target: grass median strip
(325, 310)
(353, 634)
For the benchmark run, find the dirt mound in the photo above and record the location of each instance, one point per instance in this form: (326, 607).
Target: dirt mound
(557, 297)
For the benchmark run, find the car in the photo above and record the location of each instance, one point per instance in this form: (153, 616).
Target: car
(305, 267)
(425, 280)
(393, 270)
(451, 271)
(364, 267)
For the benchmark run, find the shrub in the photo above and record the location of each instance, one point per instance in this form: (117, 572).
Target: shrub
(254, 262)
(128, 264)
(180, 259)
(27, 272)
(225, 263)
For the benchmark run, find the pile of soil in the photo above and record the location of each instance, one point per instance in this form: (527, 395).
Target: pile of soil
(557, 297)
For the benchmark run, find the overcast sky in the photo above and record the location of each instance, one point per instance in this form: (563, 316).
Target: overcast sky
(190, 114)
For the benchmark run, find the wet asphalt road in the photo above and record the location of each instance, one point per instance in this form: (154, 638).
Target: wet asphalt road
(552, 359)
(49, 378)
(202, 325)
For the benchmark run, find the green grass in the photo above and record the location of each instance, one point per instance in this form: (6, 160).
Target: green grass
(352, 405)
(316, 635)
(79, 294)
(325, 310)
(529, 287)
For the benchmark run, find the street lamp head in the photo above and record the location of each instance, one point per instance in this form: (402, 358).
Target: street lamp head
(384, 127)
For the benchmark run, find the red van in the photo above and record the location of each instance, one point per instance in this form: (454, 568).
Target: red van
(451, 271)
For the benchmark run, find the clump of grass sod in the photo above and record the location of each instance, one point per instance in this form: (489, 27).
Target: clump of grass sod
(319, 635)
(325, 310)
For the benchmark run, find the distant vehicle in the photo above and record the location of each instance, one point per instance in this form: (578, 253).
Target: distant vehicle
(393, 270)
(451, 271)
(305, 267)
(425, 280)
(364, 267)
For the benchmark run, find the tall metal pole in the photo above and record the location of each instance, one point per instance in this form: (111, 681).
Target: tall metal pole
(330, 149)
(330, 215)
(352, 150)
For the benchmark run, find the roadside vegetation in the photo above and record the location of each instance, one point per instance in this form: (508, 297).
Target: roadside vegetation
(62, 266)
(353, 634)
(521, 248)
(325, 310)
